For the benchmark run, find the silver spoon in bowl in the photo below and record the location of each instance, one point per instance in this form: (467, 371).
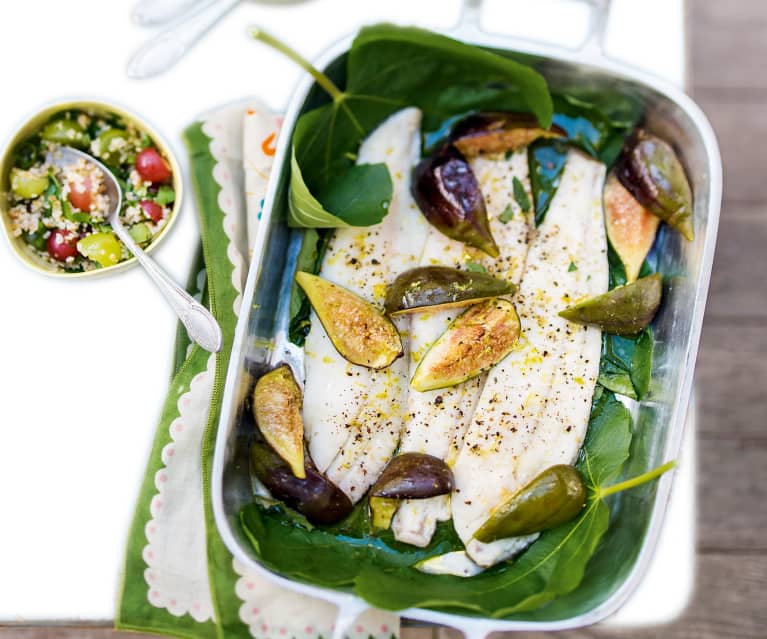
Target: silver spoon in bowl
(198, 321)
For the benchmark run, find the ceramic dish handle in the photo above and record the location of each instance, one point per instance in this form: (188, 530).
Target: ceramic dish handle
(600, 11)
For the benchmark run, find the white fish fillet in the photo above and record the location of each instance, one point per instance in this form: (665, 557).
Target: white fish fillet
(436, 420)
(534, 409)
(358, 259)
(455, 563)
(354, 428)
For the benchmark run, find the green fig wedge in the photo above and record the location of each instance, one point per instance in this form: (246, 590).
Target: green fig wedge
(650, 169)
(277, 410)
(630, 227)
(498, 132)
(476, 341)
(625, 310)
(357, 329)
(551, 499)
(440, 287)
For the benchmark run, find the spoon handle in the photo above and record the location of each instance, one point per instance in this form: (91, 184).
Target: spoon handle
(198, 321)
(162, 51)
(151, 13)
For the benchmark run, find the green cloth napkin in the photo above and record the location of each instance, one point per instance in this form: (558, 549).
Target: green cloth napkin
(179, 579)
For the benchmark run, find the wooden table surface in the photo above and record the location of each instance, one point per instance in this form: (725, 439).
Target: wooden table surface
(729, 80)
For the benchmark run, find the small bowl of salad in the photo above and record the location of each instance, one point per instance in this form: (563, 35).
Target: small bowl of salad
(55, 217)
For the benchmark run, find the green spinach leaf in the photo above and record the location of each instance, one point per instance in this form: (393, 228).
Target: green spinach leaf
(591, 125)
(626, 363)
(546, 160)
(313, 247)
(590, 129)
(362, 193)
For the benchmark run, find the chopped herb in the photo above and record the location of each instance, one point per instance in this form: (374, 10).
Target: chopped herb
(508, 154)
(520, 195)
(572, 267)
(507, 215)
(474, 267)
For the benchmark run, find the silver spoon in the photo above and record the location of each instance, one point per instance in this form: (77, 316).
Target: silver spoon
(163, 50)
(151, 13)
(198, 321)
(160, 52)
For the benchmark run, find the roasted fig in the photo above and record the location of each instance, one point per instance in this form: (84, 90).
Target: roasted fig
(360, 333)
(413, 476)
(315, 496)
(408, 476)
(553, 498)
(477, 340)
(498, 131)
(625, 310)
(650, 169)
(447, 192)
(277, 410)
(440, 287)
(630, 227)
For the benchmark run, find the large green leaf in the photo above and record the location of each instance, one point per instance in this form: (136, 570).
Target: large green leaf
(303, 208)
(362, 193)
(435, 73)
(625, 364)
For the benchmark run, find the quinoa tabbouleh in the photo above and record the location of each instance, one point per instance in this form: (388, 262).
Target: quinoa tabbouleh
(60, 212)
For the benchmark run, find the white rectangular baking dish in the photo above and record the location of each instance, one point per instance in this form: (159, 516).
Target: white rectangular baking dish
(660, 419)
